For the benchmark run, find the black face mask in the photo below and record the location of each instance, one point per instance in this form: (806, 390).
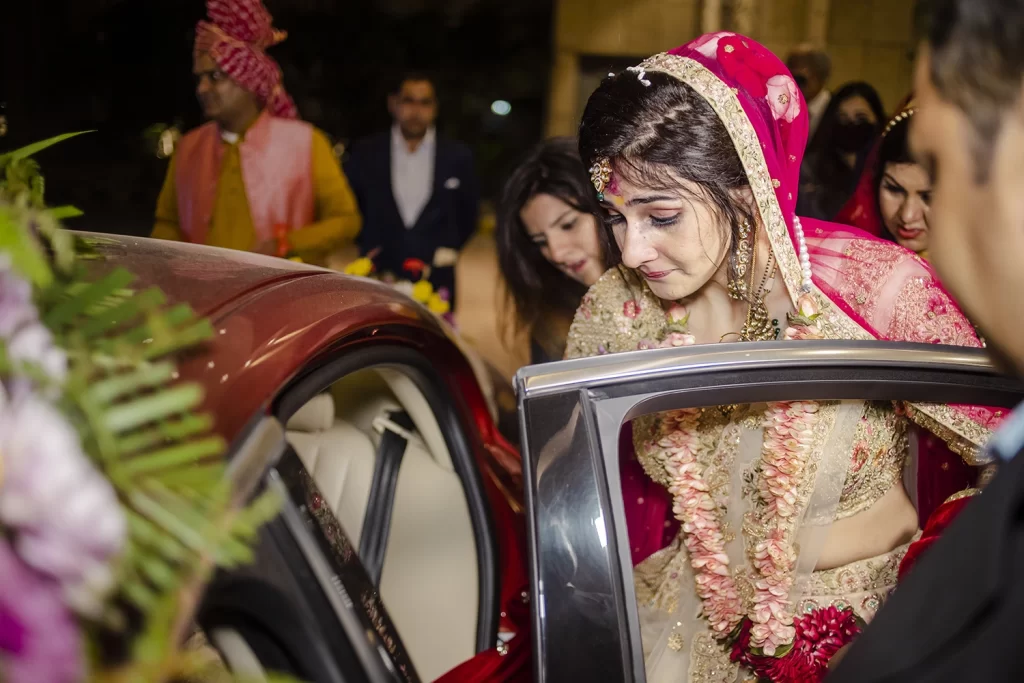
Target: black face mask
(853, 137)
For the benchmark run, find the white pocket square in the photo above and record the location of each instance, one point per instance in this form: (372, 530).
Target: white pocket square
(445, 257)
(452, 184)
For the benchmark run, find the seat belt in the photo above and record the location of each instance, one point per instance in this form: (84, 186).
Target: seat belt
(373, 542)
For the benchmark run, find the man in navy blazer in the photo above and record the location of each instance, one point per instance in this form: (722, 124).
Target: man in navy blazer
(417, 192)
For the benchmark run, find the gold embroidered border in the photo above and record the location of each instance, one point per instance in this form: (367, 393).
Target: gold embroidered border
(960, 495)
(964, 436)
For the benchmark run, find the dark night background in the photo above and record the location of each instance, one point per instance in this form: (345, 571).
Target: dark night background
(121, 66)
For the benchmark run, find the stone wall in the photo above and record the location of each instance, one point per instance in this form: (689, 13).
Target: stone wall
(868, 39)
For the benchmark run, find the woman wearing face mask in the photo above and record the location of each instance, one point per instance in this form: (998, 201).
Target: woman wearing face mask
(696, 160)
(835, 157)
(894, 194)
(550, 249)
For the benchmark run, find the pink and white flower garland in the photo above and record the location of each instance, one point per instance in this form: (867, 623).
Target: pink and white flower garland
(695, 508)
(788, 442)
(788, 436)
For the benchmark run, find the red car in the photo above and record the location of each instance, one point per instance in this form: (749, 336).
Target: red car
(400, 551)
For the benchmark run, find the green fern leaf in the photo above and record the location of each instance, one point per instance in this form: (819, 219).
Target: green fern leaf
(36, 147)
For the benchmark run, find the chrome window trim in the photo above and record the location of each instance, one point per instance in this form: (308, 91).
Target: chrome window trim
(585, 620)
(621, 368)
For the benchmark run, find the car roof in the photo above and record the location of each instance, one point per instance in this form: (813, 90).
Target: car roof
(207, 278)
(272, 318)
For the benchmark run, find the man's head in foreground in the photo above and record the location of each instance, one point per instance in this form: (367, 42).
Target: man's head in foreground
(969, 132)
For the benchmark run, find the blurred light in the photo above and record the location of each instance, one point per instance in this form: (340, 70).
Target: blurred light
(501, 107)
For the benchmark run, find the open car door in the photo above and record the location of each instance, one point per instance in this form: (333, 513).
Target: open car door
(585, 619)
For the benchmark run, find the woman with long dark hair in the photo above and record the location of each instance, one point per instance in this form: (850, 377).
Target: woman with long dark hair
(550, 246)
(836, 154)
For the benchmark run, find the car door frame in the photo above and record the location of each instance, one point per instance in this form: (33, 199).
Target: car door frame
(300, 602)
(321, 376)
(571, 414)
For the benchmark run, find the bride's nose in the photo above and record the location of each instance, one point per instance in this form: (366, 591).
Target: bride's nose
(636, 249)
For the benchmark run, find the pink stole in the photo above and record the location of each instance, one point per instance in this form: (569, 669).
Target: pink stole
(277, 173)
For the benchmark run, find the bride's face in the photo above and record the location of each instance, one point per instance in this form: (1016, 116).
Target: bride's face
(672, 238)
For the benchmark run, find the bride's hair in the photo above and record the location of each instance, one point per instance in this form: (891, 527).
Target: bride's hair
(655, 134)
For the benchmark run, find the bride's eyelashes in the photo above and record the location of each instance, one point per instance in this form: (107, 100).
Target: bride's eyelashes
(664, 221)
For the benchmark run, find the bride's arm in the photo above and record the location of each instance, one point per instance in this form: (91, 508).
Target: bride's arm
(923, 312)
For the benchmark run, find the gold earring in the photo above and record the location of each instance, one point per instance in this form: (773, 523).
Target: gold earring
(600, 176)
(744, 255)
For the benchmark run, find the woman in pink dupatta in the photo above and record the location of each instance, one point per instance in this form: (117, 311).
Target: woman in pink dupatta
(793, 516)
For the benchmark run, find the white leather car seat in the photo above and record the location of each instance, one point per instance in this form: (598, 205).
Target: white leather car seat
(429, 580)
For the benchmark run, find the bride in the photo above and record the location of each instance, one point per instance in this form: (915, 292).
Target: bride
(794, 517)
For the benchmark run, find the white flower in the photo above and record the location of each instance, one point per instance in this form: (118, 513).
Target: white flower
(33, 344)
(66, 519)
(16, 307)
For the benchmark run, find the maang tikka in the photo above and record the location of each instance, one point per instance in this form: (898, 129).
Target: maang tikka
(600, 176)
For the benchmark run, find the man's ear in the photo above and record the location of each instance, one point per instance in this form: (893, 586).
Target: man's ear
(392, 104)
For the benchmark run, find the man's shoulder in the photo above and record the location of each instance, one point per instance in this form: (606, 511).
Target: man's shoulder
(373, 140)
(199, 131)
(294, 126)
(370, 146)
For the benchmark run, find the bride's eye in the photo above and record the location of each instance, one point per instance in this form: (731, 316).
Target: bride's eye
(664, 221)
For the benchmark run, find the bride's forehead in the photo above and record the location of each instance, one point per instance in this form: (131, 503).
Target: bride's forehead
(636, 182)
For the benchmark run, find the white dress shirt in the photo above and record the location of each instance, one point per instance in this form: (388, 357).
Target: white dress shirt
(412, 175)
(816, 109)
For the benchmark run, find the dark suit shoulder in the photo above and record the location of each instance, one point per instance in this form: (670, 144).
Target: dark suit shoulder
(454, 149)
(371, 144)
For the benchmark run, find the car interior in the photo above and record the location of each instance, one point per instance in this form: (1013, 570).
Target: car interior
(371, 440)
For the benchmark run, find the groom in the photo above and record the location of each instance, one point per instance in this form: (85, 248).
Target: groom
(959, 614)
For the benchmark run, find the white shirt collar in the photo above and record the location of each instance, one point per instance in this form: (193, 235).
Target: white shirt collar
(399, 144)
(820, 102)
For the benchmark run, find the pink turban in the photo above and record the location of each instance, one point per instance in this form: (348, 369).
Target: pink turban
(236, 36)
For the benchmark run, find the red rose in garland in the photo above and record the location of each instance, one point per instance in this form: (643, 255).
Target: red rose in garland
(819, 636)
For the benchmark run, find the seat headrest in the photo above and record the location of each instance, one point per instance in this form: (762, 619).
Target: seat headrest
(316, 416)
(414, 403)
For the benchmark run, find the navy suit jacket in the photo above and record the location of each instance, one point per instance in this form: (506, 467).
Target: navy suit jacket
(448, 220)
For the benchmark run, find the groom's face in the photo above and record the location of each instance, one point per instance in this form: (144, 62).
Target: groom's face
(977, 210)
